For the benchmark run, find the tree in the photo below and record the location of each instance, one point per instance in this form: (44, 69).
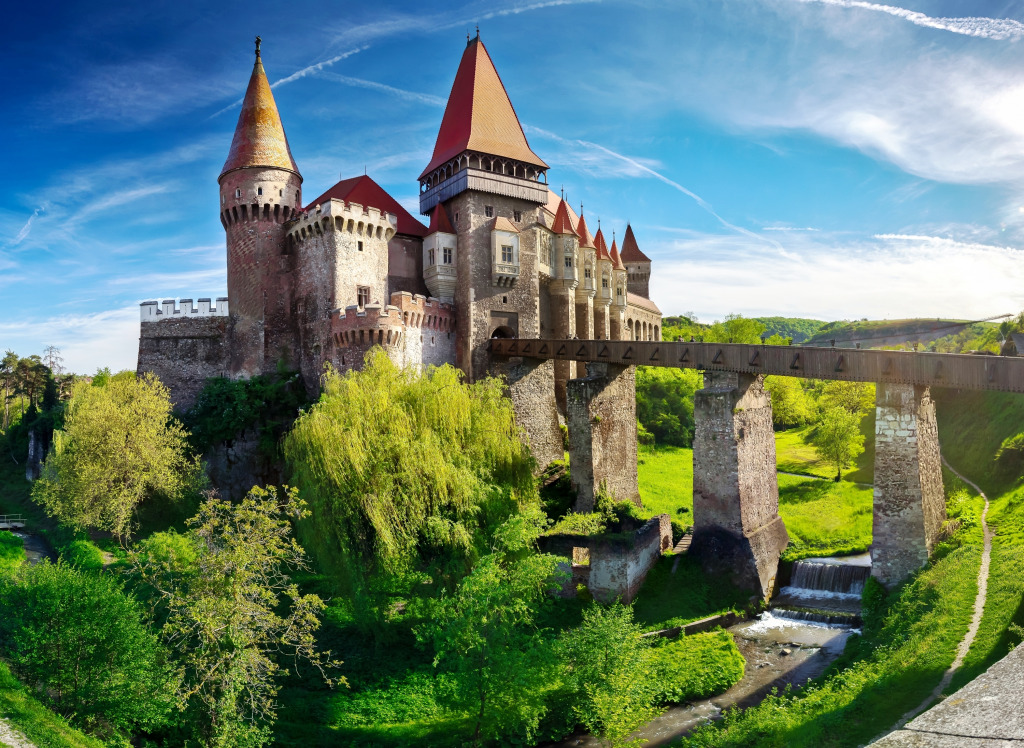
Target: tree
(837, 437)
(119, 446)
(8, 375)
(855, 397)
(485, 634)
(230, 609)
(602, 659)
(664, 403)
(791, 406)
(736, 329)
(84, 648)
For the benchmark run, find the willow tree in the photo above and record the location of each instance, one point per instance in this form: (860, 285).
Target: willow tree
(406, 472)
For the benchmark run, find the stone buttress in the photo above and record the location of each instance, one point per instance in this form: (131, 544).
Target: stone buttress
(737, 528)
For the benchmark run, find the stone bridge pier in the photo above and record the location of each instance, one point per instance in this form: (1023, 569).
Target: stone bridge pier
(736, 525)
(909, 500)
(531, 387)
(601, 414)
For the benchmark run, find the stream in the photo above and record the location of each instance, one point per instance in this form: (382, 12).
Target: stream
(36, 548)
(791, 643)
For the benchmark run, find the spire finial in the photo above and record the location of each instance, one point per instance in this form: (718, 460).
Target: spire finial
(581, 207)
(258, 42)
(478, 31)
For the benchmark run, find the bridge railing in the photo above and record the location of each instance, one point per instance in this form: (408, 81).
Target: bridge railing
(964, 371)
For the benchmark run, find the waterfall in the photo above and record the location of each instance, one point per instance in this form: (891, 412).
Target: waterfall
(842, 578)
(823, 591)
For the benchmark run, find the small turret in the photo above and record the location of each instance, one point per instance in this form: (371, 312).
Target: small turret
(439, 247)
(638, 265)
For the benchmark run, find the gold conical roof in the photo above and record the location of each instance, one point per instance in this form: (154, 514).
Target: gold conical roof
(259, 135)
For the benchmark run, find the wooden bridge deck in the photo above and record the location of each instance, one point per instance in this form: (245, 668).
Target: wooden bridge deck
(962, 371)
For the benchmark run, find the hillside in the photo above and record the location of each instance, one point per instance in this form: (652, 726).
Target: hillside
(885, 333)
(798, 328)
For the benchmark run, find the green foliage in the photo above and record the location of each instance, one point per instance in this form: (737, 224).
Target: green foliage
(406, 472)
(824, 518)
(83, 554)
(798, 329)
(670, 598)
(837, 437)
(791, 405)
(694, 667)
(602, 659)
(854, 397)
(12, 552)
(485, 634)
(40, 725)
(230, 610)
(664, 403)
(578, 523)
(81, 643)
(119, 447)
(227, 407)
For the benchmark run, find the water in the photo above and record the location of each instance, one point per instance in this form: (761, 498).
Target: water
(36, 549)
(824, 590)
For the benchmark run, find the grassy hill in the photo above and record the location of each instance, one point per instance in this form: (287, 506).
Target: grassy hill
(882, 333)
(798, 328)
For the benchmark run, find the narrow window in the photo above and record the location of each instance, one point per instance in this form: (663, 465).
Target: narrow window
(362, 295)
(430, 257)
(259, 190)
(504, 299)
(359, 246)
(456, 216)
(586, 272)
(296, 197)
(447, 255)
(489, 211)
(517, 215)
(568, 262)
(280, 193)
(604, 283)
(506, 253)
(238, 192)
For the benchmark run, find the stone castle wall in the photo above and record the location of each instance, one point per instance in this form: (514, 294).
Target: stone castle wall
(184, 352)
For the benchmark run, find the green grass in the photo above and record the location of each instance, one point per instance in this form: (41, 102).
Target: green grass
(695, 667)
(824, 518)
(910, 637)
(793, 454)
(665, 475)
(39, 724)
(668, 599)
(12, 552)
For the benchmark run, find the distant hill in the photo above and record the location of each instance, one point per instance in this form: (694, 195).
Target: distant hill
(798, 328)
(895, 332)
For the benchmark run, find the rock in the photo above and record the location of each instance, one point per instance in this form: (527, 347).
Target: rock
(786, 652)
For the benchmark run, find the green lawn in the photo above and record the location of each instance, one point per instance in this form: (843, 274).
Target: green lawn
(824, 518)
(794, 455)
(39, 724)
(666, 481)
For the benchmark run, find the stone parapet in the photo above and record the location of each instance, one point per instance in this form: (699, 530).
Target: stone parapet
(909, 499)
(424, 312)
(737, 528)
(158, 311)
(367, 326)
(337, 215)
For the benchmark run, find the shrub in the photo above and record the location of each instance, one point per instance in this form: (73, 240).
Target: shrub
(83, 554)
(12, 551)
(694, 667)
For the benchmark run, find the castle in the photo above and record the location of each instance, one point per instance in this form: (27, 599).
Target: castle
(319, 282)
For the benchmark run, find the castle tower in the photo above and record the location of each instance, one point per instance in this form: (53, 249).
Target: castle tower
(260, 189)
(563, 293)
(439, 255)
(604, 283)
(586, 290)
(494, 189)
(619, 284)
(638, 265)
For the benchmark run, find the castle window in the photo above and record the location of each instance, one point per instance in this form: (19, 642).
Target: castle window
(280, 193)
(456, 216)
(618, 291)
(238, 192)
(568, 262)
(517, 215)
(489, 211)
(362, 295)
(259, 190)
(296, 197)
(359, 246)
(447, 255)
(506, 253)
(586, 272)
(430, 257)
(604, 282)
(504, 299)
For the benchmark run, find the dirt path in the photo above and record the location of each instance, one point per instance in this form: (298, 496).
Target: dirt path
(11, 737)
(979, 608)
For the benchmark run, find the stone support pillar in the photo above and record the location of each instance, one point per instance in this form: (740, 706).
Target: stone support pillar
(602, 325)
(602, 434)
(737, 529)
(909, 499)
(563, 322)
(531, 387)
(584, 323)
(618, 326)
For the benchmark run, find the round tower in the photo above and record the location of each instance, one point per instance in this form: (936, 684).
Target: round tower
(260, 190)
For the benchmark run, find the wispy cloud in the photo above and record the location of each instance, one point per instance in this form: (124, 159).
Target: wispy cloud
(788, 228)
(88, 340)
(24, 231)
(420, 98)
(1000, 29)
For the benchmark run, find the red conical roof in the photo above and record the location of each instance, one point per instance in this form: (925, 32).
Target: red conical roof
(259, 135)
(630, 251)
(600, 245)
(479, 115)
(616, 259)
(586, 240)
(439, 221)
(563, 223)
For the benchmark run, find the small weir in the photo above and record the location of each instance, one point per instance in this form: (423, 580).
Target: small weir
(824, 590)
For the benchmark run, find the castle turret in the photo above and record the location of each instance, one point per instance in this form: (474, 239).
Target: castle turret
(638, 265)
(260, 189)
(619, 281)
(604, 284)
(586, 290)
(439, 255)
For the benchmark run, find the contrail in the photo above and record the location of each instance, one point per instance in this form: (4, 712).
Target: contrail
(1000, 29)
(374, 86)
(23, 233)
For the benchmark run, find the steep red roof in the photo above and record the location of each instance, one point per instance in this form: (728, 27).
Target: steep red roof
(562, 223)
(500, 223)
(586, 240)
(630, 251)
(600, 245)
(369, 194)
(479, 115)
(259, 138)
(552, 208)
(616, 259)
(439, 221)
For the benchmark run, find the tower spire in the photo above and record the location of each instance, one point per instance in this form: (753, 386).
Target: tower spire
(259, 138)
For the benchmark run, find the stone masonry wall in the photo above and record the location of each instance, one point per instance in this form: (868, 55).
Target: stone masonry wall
(184, 353)
(601, 416)
(909, 499)
(236, 465)
(531, 387)
(737, 528)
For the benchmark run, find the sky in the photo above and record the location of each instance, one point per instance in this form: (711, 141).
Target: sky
(834, 159)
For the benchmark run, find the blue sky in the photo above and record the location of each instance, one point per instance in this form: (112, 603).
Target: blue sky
(835, 159)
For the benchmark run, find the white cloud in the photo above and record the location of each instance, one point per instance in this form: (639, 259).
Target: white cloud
(87, 341)
(1001, 29)
(420, 98)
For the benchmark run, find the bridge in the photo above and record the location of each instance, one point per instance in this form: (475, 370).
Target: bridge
(736, 526)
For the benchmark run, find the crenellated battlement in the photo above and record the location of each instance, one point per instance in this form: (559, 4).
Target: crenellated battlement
(337, 215)
(424, 312)
(365, 326)
(156, 311)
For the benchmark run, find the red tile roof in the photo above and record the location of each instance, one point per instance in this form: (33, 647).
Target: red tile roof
(500, 223)
(439, 221)
(562, 223)
(600, 245)
(616, 259)
(586, 240)
(259, 138)
(633, 299)
(369, 194)
(630, 251)
(479, 115)
(552, 208)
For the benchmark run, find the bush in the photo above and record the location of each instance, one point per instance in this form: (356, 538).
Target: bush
(12, 551)
(82, 644)
(83, 554)
(694, 667)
